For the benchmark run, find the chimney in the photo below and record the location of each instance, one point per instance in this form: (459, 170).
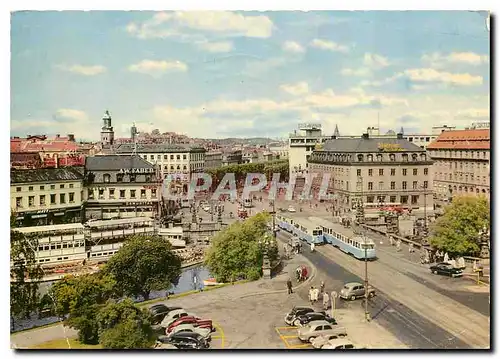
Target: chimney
(71, 137)
(365, 136)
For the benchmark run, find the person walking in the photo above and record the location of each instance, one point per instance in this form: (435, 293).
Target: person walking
(326, 300)
(322, 287)
(289, 286)
(312, 247)
(311, 295)
(315, 295)
(304, 273)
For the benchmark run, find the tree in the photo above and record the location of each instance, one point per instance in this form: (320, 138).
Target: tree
(25, 272)
(236, 252)
(143, 264)
(457, 231)
(124, 326)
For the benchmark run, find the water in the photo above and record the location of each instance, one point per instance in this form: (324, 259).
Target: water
(186, 283)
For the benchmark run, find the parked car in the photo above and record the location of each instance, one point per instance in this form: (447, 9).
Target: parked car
(186, 340)
(339, 344)
(446, 269)
(159, 311)
(204, 332)
(302, 320)
(355, 290)
(295, 312)
(197, 322)
(318, 342)
(320, 328)
(291, 209)
(173, 316)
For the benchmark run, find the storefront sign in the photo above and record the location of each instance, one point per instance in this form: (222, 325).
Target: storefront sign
(390, 147)
(137, 170)
(150, 187)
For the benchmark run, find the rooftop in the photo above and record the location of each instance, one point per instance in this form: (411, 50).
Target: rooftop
(478, 139)
(45, 175)
(356, 145)
(115, 163)
(156, 148)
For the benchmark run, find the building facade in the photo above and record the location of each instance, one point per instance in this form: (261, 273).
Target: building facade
(232, 157)
(461, 163)
(46, 196)
(301, 145)
(120, 187)
(279, 151)
(213, 159)
(424, 140)
(378, 172)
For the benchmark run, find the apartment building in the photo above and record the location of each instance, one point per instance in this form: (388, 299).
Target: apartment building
(423, 140)
(46, 196)
(301, 145)
(377, 171)
(119, 187)
(461, 163)
(213, 159)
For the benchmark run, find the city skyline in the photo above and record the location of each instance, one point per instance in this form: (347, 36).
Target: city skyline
(246, 74)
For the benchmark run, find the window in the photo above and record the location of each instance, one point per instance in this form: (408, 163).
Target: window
(178, 167)
(19, 202)
(132, 193)
(132, 178)
(52, 186)
(42, 200)
(158, 157)
(90, 194)
(370, 158)
(370, 186)
(71, 197)
(392, 157)
(393, 199)
(62, 198)
(152, 157)
(122, 193)
(404, 199)
(172, 157)
(393, 171)
(71, 185)
(415, 184)
(426, 171)
(358, 173)
(143, 193)
(369, 199)
(101, 193)
(119, 177)
(61, 186)
(415, 172)
(393, 185)
(178, 157)
(426, 184)
(360, 158)
(381, 172)
(405, 157)
(414, 199)
(107, 178)
(370, 172)
(153, 193)
(30, 188)
(405, 171)
(184, 157)
(381, 185)
(404, 184)
(171, 167)
(42, 188)
(379, 157)
(184, 168)
(111, 193)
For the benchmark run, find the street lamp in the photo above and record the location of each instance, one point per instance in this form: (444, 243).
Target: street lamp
(359, 220)
(266, 264)
(424, 188)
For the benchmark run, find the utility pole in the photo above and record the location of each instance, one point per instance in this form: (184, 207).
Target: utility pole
(359, 220)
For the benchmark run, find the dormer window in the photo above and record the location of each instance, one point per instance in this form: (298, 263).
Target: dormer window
(379, 157)
(107, 178)
(405, 157)
(360, 158)
(392, 157)
(370, 158)
(414, 157)
(423, 157)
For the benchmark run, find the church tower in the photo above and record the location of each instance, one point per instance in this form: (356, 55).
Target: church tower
(107, 133)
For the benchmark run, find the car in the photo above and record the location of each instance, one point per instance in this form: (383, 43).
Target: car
(302, 320)
(446, 269)
(354, 290)
(319, 328)
(339, 344)
(173, 316)
(295, 312)
(186, 340)
(204, 332)
(159, 311)
(318, 342)
(197, 322)
(291, 209)
(206, 208)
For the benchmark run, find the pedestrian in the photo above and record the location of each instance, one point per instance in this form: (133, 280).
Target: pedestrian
(315, 295)
(289, 286)
(304, 272)
(322, 287)
(312, 247)
(298, 273)
(311, 295)
(326, 300)
(286, 252)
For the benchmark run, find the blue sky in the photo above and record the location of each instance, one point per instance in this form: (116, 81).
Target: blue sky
(241, 74)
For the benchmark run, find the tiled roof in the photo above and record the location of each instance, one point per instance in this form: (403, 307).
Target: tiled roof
(156, 148)
(115, 163)
(355, 145)
(46, 175)
(59, 145)
(478, 139)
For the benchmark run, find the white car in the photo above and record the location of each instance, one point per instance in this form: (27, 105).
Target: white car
(318, 342)
(206, 208)
(319, 328)
(291, 209)
(173, 316)
(205, 332)
(339, 344)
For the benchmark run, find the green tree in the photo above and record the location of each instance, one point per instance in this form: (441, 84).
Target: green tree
(124, 326)
(236, 251)
(457, 231)
(25, 272)
(143, 264)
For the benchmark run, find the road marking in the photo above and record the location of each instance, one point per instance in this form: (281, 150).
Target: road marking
(285, 328)
(289, 336)
(307, 345)
(217, 337)
(282, 339)
(222, 336)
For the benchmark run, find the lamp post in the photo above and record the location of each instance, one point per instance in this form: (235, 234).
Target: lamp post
(360, 217)
(367, 313)
(266, 264)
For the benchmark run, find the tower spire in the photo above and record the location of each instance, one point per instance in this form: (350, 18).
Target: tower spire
(336, 132)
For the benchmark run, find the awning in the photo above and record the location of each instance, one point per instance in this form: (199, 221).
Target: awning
(35, 216)
(59, 214)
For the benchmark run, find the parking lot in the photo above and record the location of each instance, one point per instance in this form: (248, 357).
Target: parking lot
(218, 338)
(289, 337)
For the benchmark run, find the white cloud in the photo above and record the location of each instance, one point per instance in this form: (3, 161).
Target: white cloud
(375, 61)
(83, 70)
(221, 46)
(177, 23)
(71, 114)
(158, 68)
(292, 46)
(432, 75)
(475, 113)
(300, 88)
(329, 45)
(359, 72)
(437, 59)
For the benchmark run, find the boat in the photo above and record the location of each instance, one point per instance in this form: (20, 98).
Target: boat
(210, 282)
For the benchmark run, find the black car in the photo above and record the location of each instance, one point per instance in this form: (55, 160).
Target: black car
(295, 312)
(446, 269)
(159, 311)
(309, 317)
(186, 340)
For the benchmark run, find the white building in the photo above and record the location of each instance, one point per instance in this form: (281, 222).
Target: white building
(301, 145)
(279, 151)
(423, 140)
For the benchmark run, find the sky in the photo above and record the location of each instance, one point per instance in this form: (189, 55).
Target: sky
(246, 74)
